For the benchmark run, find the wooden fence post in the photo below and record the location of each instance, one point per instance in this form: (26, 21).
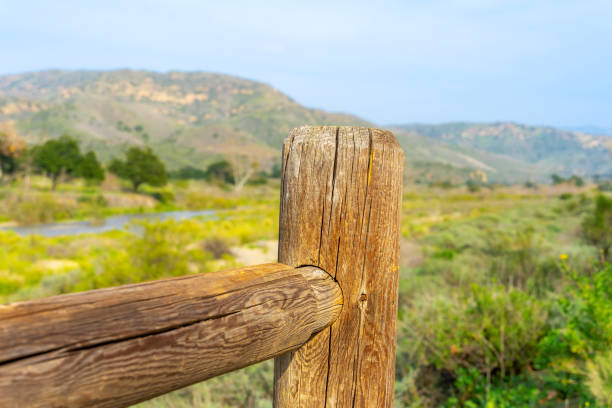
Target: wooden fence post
(340, 210)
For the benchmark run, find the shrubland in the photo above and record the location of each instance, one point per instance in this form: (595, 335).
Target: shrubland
(505, 296)
(37, 266)
(509, 305)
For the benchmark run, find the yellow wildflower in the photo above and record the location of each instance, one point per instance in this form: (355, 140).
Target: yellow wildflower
(563, 257)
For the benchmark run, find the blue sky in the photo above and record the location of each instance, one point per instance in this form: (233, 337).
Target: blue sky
(537, 62)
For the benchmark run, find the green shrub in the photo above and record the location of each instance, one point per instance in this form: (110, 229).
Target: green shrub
(597, 226)
(97, 200)
(472, 389)
(578, 349)
(41, 208)
(217, 247)
(10, 282)
(589, 311)
(249, 387)
(164, 250)
(605, 185)
(493, 330)
(195, 200)
(444, 254)
(473, 186)
(599, 378)
(163, 196)
(258, 179)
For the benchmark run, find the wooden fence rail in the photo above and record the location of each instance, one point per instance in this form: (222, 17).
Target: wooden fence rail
(327, 312)
(118, 346)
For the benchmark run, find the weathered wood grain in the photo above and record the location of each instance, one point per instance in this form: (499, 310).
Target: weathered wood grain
(118, 346)
(340, 210)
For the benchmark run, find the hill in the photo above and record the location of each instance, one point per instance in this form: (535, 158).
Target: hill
(188, 118)
(193, 118)
(510, 151)
(432, 160)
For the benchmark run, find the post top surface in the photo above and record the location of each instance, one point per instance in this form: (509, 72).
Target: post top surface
(375, 136)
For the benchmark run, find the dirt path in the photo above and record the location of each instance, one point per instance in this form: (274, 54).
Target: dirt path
(256, 253)
(411, 254)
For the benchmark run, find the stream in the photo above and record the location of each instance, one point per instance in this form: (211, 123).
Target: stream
(116, 222)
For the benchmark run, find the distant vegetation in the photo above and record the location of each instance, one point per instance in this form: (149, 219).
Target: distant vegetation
(61, 160)
(12, 147)
(597, 226)
(575, 180)
(194, 119)
(62, 157)
(137, 182)
(509, 152)
(140, 166)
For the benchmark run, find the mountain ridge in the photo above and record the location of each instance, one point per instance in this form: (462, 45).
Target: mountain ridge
(187, 117)
(549, 150)
(193, 118)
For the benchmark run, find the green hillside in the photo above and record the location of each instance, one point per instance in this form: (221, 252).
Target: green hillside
(434, 160)
(535, 150)
(193, 118)
(189, 118)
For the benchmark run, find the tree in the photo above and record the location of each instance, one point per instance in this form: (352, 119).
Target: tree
(556, 179)
(473, 186)
(12, 147)
(576, 180)
(58, 157)
(139, 167)
(243, 169)
(220, 171)
(91, 169)
(189, 172)
(275, 172)
(597, 227)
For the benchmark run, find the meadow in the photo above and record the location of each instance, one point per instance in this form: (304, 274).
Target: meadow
(505, 291)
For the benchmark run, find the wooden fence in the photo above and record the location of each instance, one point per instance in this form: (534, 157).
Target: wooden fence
(326, 312)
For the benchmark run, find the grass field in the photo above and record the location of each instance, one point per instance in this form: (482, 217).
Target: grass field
(503, 302)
